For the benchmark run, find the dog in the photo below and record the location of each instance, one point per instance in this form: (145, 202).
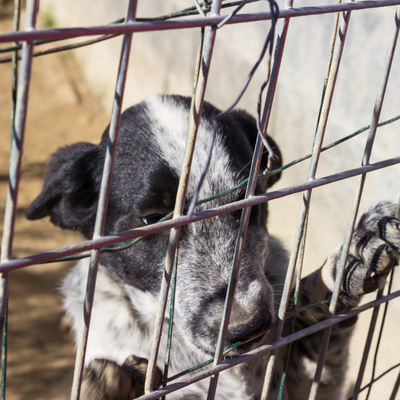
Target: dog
(147, 167)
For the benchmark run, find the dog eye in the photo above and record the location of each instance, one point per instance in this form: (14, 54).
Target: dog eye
(151, 219)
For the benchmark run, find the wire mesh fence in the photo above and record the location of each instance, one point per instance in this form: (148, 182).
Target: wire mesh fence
(212, 17)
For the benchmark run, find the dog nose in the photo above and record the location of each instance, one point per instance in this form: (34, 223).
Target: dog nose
(243, 326)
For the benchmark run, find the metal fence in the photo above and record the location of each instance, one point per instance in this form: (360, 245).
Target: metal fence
(208, 17)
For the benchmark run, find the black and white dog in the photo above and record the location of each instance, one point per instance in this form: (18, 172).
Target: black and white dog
(150, 151)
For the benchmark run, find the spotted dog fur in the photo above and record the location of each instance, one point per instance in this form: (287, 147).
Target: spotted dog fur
(148, 161)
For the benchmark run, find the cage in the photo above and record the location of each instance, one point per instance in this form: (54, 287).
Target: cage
(320, 87)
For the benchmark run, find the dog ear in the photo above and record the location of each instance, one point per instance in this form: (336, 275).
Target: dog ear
(70, 190)
(248, 125)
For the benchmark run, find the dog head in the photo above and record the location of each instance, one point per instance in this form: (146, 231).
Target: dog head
(148, 161)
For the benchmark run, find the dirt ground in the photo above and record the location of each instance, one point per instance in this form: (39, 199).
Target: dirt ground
(61, 110)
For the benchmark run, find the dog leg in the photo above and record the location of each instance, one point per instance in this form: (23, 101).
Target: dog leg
(374, 251)
(106, 380)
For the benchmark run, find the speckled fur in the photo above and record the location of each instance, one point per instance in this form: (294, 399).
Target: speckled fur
(149, 156)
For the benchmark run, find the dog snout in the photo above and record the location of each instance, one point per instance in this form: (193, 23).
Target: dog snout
(244, 326)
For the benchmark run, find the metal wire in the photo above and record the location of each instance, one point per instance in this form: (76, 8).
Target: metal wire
(346, 245)
(9, 265)
(241, 237)
(17, 141)
(189, 23)
(212, 23)
(102, 204)
(5, 276)
(194, 118)
(214, 120)
(379, 337)
(306, 201)
(264, 350)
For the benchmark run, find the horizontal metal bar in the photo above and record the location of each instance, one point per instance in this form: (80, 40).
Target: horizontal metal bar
(9, 265)
(131, 27)
(73, 46)
(267, 348)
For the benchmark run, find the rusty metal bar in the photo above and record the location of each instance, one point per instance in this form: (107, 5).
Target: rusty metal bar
(199, 9)
(317, 145)
(194, 120)
(102, 205)
(395, 388)
(278, 54)
(239, 247)
(300, 260)
(264, 350)
(215, 119)
(327, 334)
(199, 57)
(346, 246)
(352, 222)
(132, 27)
(365, 161)
(18, 136)
(180, 221)
(241, 237)
(17, 142)
(4, 280)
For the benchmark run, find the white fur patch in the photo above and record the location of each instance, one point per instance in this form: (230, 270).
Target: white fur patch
(309, 368)
(114, 333)
(170, 134)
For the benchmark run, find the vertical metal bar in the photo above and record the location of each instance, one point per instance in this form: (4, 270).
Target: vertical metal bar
(349, 233)
(395, 388)
(368, 148)
(171, 319)
(368, 342)
(397, 383)
(296, 291)
(103, 202)
(4, 347)
(306, 200)
(320, 365)
(194, 119)
(17, 141)
(16, 26)
(5, 276)
(330, 59)
(380, 336)
(175, 267)
(239, 247)
(278, 54)
(327, 333)
(366, 158)
(303, 239)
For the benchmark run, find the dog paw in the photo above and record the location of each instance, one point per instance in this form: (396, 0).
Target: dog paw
(374, 251)
(105, 379)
